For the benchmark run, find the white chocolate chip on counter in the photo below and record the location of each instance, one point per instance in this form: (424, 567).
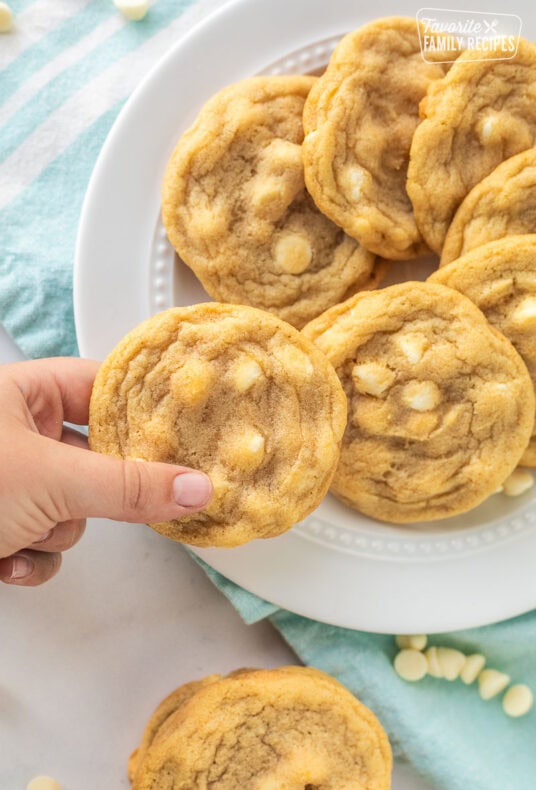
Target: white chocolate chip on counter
(410, 665)
(518, 700)
(6, 18)
(524, 316)
(421, 395)
(474, 664)
(245, 373)
(133, 9)
(292, 253)
(413, 345)
(43, 783)
(491, 682)
(450, 662)
(519, 481)
(413, 641)
(434, 667)
(371, 378)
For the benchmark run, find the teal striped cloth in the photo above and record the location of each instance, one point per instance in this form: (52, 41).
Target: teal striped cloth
(65, 72)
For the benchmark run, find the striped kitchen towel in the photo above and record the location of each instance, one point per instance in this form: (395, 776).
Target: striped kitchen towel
(66, 70)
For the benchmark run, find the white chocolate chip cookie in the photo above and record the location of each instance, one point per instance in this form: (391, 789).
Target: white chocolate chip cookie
(235, 207)
(232, 391)
(440, 404)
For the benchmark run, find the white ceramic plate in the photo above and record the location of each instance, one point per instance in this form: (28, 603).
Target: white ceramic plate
(337, 566)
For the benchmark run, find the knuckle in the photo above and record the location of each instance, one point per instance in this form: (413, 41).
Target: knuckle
(135, 487)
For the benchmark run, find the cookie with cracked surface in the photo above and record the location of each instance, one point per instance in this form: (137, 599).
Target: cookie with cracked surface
(235, 206)
(268, 730)
(502, 204)
(440, 404)
(359, 120)
(481, 113)
(500, 278)
(232, 391)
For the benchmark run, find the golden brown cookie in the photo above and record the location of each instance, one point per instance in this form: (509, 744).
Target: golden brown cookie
(235, 206)
(482, 112)
(276, 729)
(502, 204)
(359, 120)
(440, 404)
(500, 278)
(232, 391)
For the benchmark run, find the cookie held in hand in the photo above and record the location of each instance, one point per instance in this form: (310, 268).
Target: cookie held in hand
(263, 730)
(440, 404)
(232, 391)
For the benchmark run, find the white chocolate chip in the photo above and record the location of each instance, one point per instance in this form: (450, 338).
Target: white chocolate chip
(474, 664)
(413, 345)
(191, 383)
(519, 481)
(352, 182)
(491, 682)
(450, 662)
(6, 18)
(245, 373)
(292, 253)
(413, 641)
(421, 395)
(524, 316)
(295, 361)
(256, 443)
(43, 783)
(518, 700)
(487, 129)
(434, 668)
(371, 378)
(410, 665)
(244, 450)
(133, 9)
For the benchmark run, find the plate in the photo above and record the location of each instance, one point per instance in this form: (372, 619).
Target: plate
(337, 566)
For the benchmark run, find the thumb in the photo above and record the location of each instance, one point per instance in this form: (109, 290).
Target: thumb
(98, 485)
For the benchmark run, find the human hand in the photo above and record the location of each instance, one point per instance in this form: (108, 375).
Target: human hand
(50, 481)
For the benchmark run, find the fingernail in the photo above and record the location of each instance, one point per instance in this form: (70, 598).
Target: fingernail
(21, 566)
(192, 489)
(43, 537)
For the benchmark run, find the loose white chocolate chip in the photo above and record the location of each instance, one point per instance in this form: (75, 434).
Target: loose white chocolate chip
(518, 700)
(413, 346)
(245, 373)
(434, 668)
(43, 783)
(519, 481)
(421, 395)
(133, 9)
(410, 665)
(371, 378)
(450, 662)
(292, 253)
(6, 18)
(524, 316)
(413, 641)
(474, 664)
(491, 682)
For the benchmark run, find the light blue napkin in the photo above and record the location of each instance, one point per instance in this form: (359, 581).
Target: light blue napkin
(64, 75)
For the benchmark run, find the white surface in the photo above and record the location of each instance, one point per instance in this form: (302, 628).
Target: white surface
(124, 273)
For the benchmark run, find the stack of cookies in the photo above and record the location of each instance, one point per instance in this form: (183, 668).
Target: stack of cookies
(293, 196)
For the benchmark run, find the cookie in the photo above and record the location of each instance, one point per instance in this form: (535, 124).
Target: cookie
(482, 112)
(500, 278)
(268, 730)
(359, 120)
(232, 391)
(235, 206)
(502, 204)
(440, 404)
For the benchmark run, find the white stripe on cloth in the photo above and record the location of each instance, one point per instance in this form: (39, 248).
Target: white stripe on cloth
(31, 26)
(62, 61)
(82, 109)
